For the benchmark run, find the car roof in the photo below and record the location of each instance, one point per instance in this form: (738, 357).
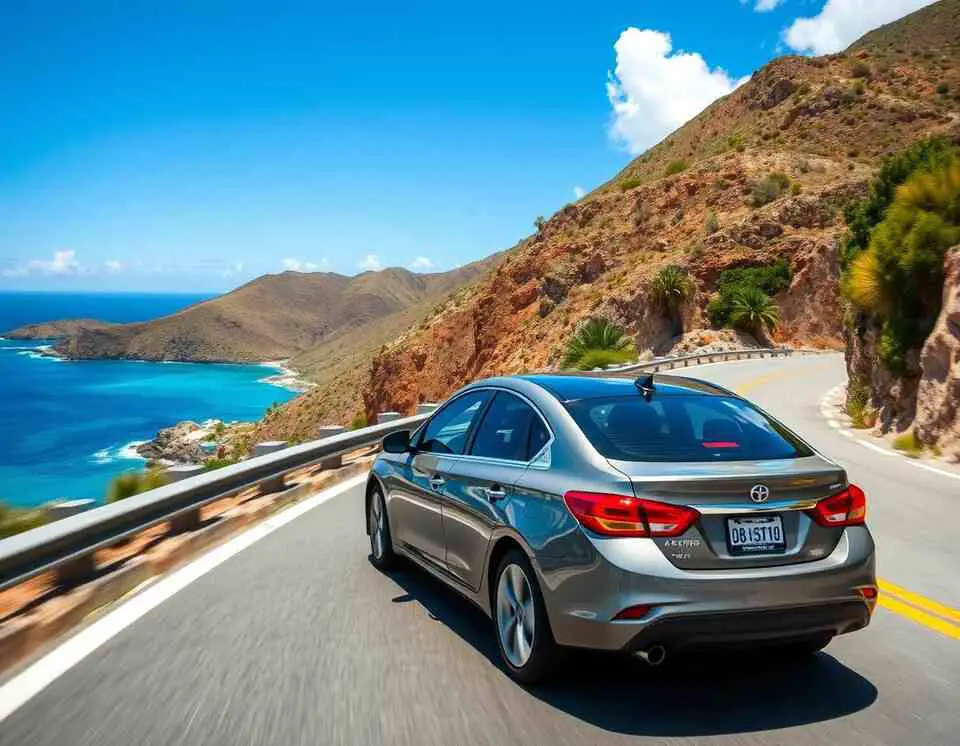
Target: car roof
(568, 388)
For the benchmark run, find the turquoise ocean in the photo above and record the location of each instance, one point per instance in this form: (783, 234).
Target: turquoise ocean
(68, 427)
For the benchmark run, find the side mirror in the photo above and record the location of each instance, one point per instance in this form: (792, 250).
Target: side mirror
(398, 442)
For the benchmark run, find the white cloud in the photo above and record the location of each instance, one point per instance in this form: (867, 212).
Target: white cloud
(654, 90)
(64, 262)
(421, 263)
(579, 191)
(371, 262)
(842, 22)
(113, 266)
(292, 264)
(765, 6)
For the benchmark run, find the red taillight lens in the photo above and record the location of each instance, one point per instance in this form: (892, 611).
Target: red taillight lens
(621, 515)
(634, 612)
(847, 508)
(869, 593)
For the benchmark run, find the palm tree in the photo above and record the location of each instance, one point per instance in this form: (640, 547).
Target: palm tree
(671, 287)
(597, 335)
(754, 311)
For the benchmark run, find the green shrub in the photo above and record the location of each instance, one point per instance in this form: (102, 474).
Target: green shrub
(860, 69)
(908, 443)
(712, 224)
(858, 404)
(539, 223)
(864, 215)
(17, 520)
(218, 463)
(133, 483)
(943, 89)
(602, 358)
(766, 190)
(754, 311)
(675, 167)
(903, 264)
(628, 184)
(359, 421)
(770, 279)
(595, 334)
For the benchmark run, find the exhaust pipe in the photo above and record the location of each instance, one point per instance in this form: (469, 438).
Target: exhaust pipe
(652, 656)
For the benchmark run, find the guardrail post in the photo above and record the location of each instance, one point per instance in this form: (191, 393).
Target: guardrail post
(427, 407)
(269, 446)
(76, 571)
(189, 520)
(387, 417)
(326, 431)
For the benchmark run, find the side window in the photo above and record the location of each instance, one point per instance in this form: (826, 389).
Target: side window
(509, 430)
(447, 431)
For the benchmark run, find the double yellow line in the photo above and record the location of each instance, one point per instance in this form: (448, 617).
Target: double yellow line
(919, 609)
(913, 606)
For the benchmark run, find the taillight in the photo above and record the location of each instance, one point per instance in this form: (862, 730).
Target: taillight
(634, 612)
(847, 508)
(621, 515)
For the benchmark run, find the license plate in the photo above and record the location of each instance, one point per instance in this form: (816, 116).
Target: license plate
(755, 535)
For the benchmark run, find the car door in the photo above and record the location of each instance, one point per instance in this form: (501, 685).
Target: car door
(415, 513)
(477, 488)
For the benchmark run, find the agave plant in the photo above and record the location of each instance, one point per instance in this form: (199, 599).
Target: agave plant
(671, 287)
(595, 335)
(754, 311)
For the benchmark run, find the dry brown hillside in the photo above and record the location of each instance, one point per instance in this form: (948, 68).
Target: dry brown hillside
(825, 123)
(308, 316)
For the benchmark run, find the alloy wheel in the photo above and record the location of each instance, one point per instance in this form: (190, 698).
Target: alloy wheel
(516, 616)
(376, 526)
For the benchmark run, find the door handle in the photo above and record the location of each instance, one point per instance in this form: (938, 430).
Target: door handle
(437, 482)
(495, 492)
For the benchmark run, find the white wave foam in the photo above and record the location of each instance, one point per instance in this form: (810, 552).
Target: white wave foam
(102, 456)
(126, 452)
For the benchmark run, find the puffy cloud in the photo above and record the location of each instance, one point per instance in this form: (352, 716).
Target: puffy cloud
(579, 191)
(653, 90)
(421, 263)
(64, 262)
(113, 266)
(765, 6)
(292, 264)
(371, 262)
(842, 22)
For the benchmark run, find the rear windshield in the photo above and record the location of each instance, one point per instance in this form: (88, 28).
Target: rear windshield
(683, 428)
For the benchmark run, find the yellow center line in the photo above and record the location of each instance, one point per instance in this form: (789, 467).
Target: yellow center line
(915, 599)
(899, 600)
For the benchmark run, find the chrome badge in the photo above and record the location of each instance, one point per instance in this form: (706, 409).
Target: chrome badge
(759, 493)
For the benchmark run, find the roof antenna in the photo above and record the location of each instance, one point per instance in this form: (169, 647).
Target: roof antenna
(646, 387)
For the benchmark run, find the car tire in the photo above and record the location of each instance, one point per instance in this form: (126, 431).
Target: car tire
(527, 649)
(382, 555)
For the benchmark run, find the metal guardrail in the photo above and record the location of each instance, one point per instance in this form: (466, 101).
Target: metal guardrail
(77, 537)
(697, 358)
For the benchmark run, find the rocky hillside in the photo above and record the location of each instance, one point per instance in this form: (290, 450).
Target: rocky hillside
(702, 199)
(55, 329)
(291, 315)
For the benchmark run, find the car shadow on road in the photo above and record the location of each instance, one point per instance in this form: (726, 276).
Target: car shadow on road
(708, 694)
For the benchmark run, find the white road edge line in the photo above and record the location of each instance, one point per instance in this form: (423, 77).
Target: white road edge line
(38, 675)
(934, 469)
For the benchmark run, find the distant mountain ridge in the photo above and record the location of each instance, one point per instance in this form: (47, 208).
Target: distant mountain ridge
(273, 317)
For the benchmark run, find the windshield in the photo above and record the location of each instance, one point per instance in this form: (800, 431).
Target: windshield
(683, 428)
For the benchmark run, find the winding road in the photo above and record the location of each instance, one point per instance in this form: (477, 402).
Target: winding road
(296, 639)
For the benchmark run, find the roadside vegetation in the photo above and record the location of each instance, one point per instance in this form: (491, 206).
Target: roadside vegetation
(671, 288)
(17, 520)
(133, 483)
(858, 408)
(743, 299)
(893, 257)
(907, 443)
(596, 343)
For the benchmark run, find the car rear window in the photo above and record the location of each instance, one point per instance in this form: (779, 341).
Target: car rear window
(683, 428)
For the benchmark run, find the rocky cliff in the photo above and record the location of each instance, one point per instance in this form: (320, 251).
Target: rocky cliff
(56, 329)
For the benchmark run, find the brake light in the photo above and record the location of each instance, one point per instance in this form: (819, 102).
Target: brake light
(847, 508)
(622, 515)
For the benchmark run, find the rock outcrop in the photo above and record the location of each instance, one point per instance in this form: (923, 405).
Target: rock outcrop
(179, 444)
(937, 419)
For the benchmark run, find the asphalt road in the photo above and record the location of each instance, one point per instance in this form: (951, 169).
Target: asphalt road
(298, 640)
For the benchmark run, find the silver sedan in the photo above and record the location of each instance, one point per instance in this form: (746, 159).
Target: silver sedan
(646, 516)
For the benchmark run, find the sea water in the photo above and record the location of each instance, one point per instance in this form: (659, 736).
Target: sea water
(68, 427)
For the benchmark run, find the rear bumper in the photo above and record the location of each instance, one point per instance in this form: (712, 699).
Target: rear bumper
(751, 627)
(704, 607)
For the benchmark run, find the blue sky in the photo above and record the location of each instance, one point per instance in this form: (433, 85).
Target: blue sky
(193, 146)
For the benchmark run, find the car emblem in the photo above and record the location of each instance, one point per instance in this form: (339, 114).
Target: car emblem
(759, 493)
